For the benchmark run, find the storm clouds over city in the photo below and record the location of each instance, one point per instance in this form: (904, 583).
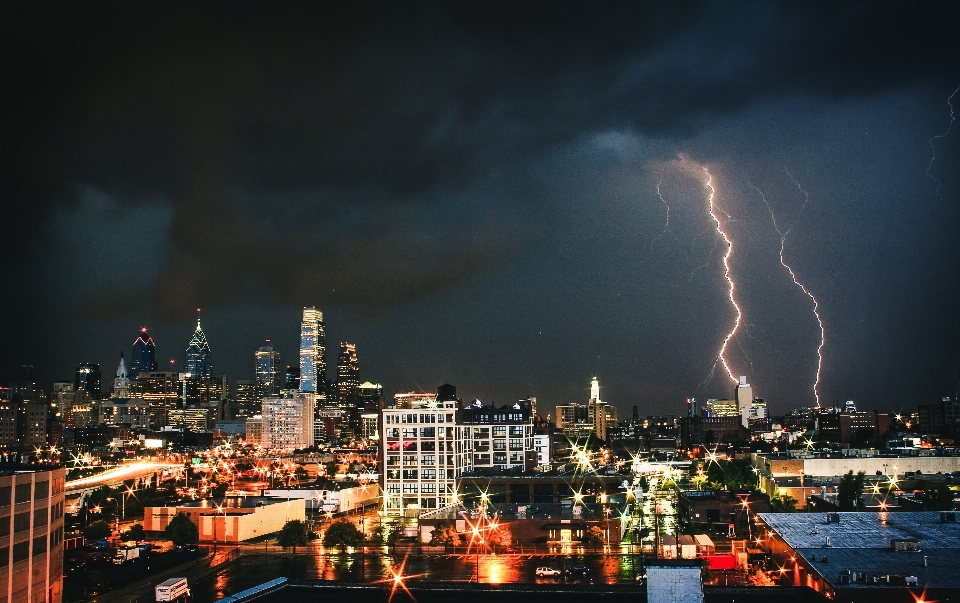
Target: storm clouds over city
(509, 197)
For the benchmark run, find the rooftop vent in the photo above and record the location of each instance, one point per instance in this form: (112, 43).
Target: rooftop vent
(905, 544)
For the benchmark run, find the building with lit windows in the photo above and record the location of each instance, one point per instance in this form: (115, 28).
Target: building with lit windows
(268, 370)
(143, 357)
(162, 391)
(348, 372)
(198, 359)
(245, 396)
(31, 535)
(501, 438)
(87, 378)
(288, 421)
(424, 451)
(313, 367)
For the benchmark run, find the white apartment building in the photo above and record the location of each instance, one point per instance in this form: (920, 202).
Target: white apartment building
(424, 453)
(287, 421)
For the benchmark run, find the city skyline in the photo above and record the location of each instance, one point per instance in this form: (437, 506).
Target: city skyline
(511, 199)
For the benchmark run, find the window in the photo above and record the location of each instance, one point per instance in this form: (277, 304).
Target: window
(393, 461)
(23, 493)
(516, 430)
(39, 545)
(500, 431)
(428, 432)
(428, 488)
(410, 459)
(39, 518)
(21, 522)
(21, 551)
(41, 490)
(4, 556)
(409, 474)
(428, 446)
(409, 433)
(516, 444)
(409, 488)
(5, 496)
(499, 444)
(428, 474)
(427, 459)
(393, 488)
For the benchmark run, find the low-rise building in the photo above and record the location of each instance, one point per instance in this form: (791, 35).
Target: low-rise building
(231, 519)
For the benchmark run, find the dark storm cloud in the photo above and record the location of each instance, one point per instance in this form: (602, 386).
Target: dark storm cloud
(372, 155)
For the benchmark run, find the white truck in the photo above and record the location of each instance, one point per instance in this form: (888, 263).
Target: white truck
(174, 589)
(125, 554)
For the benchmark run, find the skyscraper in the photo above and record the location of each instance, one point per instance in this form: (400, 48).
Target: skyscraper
(87, 378)
(288, 421)
(313, 367)
(198, 359)
(143, 358)
(268, 370)
(348, 373)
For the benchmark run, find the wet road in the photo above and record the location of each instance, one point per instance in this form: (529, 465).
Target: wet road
(256, 566)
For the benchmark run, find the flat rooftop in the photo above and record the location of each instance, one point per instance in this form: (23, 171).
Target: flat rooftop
(862, 542)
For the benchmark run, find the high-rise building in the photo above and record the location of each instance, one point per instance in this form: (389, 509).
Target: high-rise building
(31, 521)
(198, 359)
(268, 370)
(143, 357)
(248, 402)
(348, 373)
(370, 396)
(288, 421)
(87, 378)
(61, 400)
(291, 378)
(313, 366)
(162, 390)
(743, 394)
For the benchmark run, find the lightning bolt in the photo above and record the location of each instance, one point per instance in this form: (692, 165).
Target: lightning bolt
(933, 149)
(711, 203)
(793, 275)
(666, 223)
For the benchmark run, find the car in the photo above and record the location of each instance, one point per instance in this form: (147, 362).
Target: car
(579, 571)
(547, 571)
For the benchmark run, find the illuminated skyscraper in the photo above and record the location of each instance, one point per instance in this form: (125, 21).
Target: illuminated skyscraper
(313, 367)
(348, 373)
(268, 370)
(87, 378)
(143, 358)
(198, 360)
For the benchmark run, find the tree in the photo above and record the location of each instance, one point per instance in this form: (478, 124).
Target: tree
(182, 531)
(445, 533)
(849, 491)
(293, 533)
(783, 503)
(593, 537)
(342, 534)
(97, 530)
(136, 532)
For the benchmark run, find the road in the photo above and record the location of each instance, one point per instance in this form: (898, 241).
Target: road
(115, 476)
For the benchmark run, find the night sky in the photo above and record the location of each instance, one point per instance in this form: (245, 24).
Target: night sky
(509, 197)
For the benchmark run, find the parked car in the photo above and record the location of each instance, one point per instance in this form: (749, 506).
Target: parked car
(579, 571)
(547, 571)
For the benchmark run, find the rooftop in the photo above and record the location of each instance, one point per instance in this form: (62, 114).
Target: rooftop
(862, 542)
